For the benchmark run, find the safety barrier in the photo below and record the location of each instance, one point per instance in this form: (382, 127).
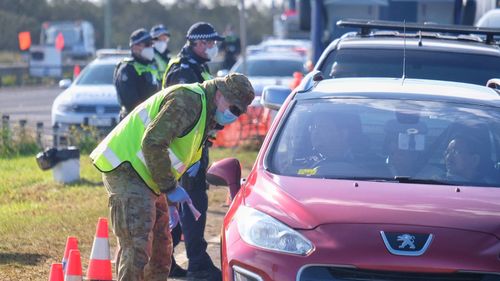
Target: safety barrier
(249, 129)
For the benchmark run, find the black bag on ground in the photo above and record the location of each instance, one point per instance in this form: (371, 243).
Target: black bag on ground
(47, 159)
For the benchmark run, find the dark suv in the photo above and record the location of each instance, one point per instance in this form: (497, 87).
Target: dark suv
(427, 51)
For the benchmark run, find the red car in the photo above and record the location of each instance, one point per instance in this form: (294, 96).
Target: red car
(369, 179)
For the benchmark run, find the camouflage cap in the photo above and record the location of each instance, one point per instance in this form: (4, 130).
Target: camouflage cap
(237, 90)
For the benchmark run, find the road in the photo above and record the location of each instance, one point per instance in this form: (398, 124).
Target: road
(30, 103)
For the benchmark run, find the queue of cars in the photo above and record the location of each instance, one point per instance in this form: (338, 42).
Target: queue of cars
(372, 171)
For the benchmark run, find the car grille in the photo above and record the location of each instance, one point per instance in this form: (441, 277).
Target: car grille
(111, 109)
(325, 273)
(93, 109)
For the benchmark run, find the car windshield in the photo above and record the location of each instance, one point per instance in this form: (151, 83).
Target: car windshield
(441, 65)
(271, 67)
(97, 74)
(389, 140)
(70, 33)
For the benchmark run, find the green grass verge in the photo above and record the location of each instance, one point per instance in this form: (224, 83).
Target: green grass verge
(38, 214)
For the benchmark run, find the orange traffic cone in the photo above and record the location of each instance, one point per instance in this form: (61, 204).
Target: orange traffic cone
(76, 71)
(71, 244)
(56, 272)
(74, 268)
(100, 258)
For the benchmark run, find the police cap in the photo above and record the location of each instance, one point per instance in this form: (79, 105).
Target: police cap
(140, 35)
(158, 30)
(203, 31)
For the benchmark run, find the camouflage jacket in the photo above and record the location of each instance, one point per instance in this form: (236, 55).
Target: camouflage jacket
(178, 114)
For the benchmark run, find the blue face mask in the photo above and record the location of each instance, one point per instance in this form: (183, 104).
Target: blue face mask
(226, 117)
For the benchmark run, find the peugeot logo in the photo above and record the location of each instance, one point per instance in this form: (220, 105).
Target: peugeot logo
(406, 244)
(407, 240)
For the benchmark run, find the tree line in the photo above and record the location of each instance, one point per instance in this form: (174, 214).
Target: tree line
(128, 15)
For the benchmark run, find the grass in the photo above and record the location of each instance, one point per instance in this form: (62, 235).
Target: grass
(38, 214)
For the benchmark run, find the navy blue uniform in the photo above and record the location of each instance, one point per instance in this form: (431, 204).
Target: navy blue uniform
(135, 80)
(191, 68)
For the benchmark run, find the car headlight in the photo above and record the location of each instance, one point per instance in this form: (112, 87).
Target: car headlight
(261, 230)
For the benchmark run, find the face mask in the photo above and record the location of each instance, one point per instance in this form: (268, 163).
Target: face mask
(212, 52)
(224, 118)
(160, 46)
(148, 53)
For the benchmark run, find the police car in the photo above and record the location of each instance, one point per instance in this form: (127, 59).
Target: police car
(90, 100)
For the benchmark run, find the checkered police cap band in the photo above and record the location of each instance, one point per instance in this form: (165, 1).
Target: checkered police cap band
(203, 31)
(211, 36)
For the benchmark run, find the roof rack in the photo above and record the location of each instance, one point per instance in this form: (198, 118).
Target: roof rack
(367, 26)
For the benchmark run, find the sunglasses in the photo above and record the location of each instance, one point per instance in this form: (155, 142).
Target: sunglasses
(235, 110)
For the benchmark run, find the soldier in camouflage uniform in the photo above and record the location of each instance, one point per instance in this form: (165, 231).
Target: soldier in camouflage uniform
(174, 121)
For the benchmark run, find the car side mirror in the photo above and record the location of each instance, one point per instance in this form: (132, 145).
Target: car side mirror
(226, 172)
(222, 72)
(64, 83)
(274, 96)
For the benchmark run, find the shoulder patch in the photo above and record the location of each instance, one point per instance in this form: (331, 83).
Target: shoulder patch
(183, 65)
(124, 77)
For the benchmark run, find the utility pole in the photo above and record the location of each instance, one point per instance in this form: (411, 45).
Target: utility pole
(108, 15)
(243, 34)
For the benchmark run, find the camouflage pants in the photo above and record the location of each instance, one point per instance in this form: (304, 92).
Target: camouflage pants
(139, 219)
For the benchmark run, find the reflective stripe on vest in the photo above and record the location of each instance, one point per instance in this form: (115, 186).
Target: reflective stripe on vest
(141, 68)
(205, 75)
(123, 144)
(170, 63)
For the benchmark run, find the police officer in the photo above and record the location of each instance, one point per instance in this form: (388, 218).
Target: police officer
(136, 78)
(231, 47)
(191, 66)
(145, 155)
(161, 36)
(191, 63)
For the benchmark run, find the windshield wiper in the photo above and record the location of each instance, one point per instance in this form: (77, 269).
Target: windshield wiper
(405, 179)
(398, 179)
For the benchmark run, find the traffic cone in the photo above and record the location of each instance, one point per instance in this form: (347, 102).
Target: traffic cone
(76, 71)
(56, 272)
(74, 268)
(100, 258)
(71, 244)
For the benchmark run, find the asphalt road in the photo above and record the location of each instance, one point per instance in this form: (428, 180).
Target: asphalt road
(30, 103)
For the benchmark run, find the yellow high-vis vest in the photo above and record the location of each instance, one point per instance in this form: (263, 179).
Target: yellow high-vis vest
(124, 143)
(205, 75)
